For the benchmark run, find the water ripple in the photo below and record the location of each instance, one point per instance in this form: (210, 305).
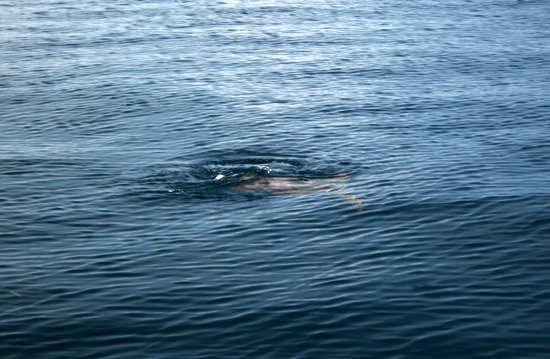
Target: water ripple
(130, 132)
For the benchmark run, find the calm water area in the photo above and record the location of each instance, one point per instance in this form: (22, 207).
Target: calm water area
(284, 179)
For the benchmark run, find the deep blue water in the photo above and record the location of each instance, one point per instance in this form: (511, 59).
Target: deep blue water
(124, 127)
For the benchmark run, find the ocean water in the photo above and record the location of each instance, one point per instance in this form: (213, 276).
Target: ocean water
(136, 138)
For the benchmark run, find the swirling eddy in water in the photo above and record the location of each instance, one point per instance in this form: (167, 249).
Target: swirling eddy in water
(300, 186)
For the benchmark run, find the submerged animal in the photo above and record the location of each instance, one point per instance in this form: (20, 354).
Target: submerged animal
(297, 186)
(288, 185)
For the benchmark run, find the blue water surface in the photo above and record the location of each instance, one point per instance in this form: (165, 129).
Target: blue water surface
(132, 134)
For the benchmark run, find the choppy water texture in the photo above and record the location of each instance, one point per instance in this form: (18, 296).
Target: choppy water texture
(130, 130)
